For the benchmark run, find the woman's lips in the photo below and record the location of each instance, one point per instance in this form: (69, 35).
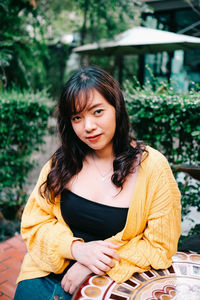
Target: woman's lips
(94, 138)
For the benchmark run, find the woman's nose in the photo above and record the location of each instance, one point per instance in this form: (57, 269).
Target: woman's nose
(89, 124)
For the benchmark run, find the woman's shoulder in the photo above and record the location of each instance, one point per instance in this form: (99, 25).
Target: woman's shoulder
(154, 153)
(149, 155)
(154, 158)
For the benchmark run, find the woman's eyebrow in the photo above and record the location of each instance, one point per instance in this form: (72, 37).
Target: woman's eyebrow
(94, 106)
(89, 108)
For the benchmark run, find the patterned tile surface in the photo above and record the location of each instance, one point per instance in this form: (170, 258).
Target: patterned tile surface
(180, 281)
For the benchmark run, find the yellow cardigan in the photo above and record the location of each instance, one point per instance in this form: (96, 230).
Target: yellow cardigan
(149, 238)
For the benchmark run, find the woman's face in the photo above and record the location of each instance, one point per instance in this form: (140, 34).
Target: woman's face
(96, 124)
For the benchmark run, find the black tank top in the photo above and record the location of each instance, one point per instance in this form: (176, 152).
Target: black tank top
(90, 220)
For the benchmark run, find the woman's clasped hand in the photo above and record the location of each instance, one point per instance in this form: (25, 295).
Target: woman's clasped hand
(98, 256)
(93, 257)
(74, 276)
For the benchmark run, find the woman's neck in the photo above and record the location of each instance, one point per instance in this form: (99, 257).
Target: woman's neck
(105, 154)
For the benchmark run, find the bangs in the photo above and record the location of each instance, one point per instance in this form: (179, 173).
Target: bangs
(80, 101)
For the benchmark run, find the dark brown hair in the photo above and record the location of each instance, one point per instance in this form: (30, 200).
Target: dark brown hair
(67, 161)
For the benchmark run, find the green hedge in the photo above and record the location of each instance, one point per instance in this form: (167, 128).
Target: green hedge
(23, 119)
(169, 122)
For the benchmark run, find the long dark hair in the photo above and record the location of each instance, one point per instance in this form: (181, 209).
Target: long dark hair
(67, 161)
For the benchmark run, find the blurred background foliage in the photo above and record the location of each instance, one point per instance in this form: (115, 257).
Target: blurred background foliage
(166, 120)
(27, 58)
(92, 19)
(23, 117)
(33, 69)
(169, 121)
(31, 48)
(22, 57)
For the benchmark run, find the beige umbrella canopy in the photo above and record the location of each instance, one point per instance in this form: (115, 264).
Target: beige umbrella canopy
(141, 40)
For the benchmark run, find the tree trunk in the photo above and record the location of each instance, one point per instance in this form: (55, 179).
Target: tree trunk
(83, 29)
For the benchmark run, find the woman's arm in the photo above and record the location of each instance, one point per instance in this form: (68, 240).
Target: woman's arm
(158, 243)
(48, 241)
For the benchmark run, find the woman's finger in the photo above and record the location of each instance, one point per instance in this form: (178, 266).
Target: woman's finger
(112, 245)
(111, 253)
(102, 266)
(97, 271)
(66, 286)
(108, 244)
(72, 289)
(107, 260)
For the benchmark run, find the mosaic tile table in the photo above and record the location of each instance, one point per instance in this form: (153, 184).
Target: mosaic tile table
(181, 282)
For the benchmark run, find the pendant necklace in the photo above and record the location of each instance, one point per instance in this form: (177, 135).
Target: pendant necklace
(103, 177)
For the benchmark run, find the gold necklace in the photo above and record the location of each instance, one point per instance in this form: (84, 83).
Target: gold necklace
(103, 177)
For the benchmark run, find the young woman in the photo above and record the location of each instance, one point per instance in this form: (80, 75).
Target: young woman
(103, 204)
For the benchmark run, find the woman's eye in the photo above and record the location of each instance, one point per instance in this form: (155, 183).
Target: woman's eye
(98, 111)
(76, 118)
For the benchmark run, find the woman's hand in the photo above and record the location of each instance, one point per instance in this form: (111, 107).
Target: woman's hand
(97, 255)
(74, 276)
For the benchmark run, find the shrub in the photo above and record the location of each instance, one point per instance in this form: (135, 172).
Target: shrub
(169, 122)
(23, 118)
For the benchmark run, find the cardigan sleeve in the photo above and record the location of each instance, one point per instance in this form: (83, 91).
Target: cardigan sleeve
(155, 246)
(48, 240)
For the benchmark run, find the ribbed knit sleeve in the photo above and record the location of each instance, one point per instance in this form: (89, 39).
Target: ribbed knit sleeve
(48, 240)
(157, 243)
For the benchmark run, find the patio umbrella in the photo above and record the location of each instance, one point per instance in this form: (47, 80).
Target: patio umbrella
(140, 40)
